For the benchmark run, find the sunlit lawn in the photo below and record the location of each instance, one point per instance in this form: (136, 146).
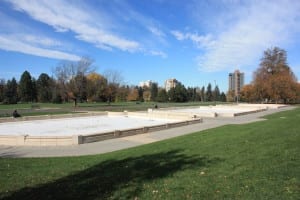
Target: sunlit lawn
(29, 109)
(253, 161)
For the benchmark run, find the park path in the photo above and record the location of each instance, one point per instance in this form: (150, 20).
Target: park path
(130, 141)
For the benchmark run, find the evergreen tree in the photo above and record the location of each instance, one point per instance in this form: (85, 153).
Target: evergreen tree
(223, 97)
(162, 96)
(141, 94)
(198, 94)
(26, 87)
(44, 88)
(209, 94)
(11, 92)
(202, 94)
(178, 94)
(34, 94)
(191, 94)
(171, 95)
(2, 89)
(154, 91)
(216, 94)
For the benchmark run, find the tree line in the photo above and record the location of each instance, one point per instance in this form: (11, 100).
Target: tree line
(273, 82)
(78, 82)
(177, 94)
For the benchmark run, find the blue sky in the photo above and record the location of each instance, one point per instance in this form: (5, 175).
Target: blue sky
(195, 41)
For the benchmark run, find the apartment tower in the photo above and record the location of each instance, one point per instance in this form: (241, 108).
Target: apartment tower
(170, 83)
(236, 82)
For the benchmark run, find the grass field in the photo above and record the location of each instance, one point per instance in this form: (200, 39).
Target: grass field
(253, 161)
(29, 109)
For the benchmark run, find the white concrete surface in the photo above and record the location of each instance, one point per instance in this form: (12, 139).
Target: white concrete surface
(77, 126)
(220, 109)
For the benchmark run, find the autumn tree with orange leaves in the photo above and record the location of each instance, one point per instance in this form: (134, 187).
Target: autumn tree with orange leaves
(273, 81)
(96, 87)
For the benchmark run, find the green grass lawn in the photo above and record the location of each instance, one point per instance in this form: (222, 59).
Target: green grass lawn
(102, 104)
(253, 161)
(29, 109)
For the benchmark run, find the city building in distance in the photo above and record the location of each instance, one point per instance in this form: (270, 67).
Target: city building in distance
(146, 83)
(236, 82)
(170, 83)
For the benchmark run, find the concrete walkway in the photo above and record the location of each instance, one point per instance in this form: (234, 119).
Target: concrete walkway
(131, 141)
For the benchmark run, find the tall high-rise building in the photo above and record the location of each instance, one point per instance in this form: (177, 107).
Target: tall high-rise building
(236, 82)
(170, 83)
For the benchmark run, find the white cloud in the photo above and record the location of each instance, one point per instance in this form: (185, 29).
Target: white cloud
(201, 41)
(19, 37)
(38, 40)
(64, 16)
(156, 31)
(159, 53)
(256, 26)
(178, 35)
(30, 46)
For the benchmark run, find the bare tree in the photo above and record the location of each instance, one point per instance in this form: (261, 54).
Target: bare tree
(71, 77)
(115, 80)
(85, 66)
(114, 77)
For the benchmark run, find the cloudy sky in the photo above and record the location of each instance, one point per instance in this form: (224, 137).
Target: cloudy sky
(195, 41)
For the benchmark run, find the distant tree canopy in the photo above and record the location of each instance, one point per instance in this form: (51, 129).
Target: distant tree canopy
(162, 96)
(78, 82)
(94, 87)
(178, 93)
(273, 81)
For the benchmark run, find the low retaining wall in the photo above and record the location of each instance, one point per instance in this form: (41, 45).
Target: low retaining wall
(24, 140)
(239, 113)
(207, 114)
(156, 114)
(175, 115)
(266, 106)
(128, 132)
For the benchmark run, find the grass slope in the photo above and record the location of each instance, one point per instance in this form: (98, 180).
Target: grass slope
(253, 161)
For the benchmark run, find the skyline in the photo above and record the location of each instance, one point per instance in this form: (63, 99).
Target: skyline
(196, 42)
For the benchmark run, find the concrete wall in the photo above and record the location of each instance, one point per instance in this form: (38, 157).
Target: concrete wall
(24, 140)
(135, 131)
(173, 115)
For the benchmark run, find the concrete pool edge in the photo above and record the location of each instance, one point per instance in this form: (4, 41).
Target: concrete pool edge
(27, 140)
(183, 119)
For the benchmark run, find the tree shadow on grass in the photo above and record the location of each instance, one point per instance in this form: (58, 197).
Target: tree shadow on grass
(117, 179)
